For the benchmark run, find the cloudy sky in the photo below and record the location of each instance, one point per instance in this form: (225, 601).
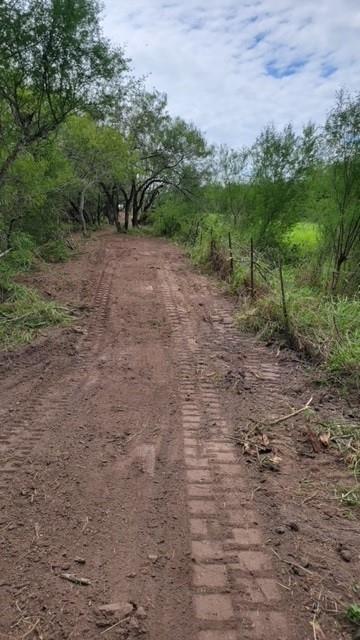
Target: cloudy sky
(231, 66)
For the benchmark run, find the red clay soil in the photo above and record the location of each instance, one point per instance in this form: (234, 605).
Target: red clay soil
(143, 493)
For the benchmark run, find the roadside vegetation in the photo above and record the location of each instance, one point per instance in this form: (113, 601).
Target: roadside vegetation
(280, 222)
(94, 146)
(81, 139)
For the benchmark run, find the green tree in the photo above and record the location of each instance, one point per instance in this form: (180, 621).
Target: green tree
(166, 152)
(53, 62)
(97, 154)
(342, 155)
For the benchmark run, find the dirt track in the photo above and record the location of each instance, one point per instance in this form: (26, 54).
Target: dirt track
(119, 464)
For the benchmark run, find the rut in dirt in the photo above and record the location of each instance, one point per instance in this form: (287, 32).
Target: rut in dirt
(127, 508)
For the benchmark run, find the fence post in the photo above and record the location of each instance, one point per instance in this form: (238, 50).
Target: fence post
(252, 290)
(283, 299)
(231, 255)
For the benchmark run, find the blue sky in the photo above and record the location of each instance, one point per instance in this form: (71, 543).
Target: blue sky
(232, 66)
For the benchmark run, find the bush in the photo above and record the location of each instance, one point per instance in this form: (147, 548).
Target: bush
(23, 255)
(304, 238)
(54, 251)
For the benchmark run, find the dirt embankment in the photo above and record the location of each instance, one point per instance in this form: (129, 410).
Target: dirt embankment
(139, 470)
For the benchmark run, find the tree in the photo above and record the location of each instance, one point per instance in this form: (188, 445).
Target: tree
(342, 152)
(230, 170)
(98, 156)
(281, 161)
(53, 62)
(162, 150)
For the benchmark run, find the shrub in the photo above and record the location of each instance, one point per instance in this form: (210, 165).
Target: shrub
(54, 251)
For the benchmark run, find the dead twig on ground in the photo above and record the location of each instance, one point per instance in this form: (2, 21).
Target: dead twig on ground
(85, 524)
(28, 633)
(112, 627)
(314, 623)
(291, 563)
(290, 415)
(313, 495)
(70, 577)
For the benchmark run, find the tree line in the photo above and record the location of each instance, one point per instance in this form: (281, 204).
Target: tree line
(80, 136)
(295, 193)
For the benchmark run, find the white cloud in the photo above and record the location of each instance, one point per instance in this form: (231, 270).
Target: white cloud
(231, 66)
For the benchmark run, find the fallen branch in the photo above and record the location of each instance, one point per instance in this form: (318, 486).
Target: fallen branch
(313, 495)
(72, 578)
(112, 627)
(292, 564)
(28, 633)
(290, 415)
(4, 253)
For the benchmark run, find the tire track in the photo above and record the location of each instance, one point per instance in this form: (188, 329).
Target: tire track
(24, 427)
(234, 589)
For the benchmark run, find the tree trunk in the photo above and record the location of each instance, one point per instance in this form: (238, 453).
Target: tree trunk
(118, 223)
(336, 273)
(135, 212)
(81, 212)
(98, 211)
(135, 218)
(127, 214)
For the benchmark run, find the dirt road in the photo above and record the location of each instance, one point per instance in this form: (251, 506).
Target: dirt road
(122, 484)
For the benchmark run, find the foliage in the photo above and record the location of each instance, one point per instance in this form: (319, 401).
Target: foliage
(303, 238)
(54, 251)
(324, 328)
(353, 614)
(22, 310)
(24, 313)
(52, 59)
(296, 195)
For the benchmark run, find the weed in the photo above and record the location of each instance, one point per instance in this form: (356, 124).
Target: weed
(323, 328)
(346, 437)
(24, 313)
(349, 497)
(353, 614)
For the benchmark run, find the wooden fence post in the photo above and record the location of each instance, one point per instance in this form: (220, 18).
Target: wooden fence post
(231, 255)
(283, 299)
(252, 290)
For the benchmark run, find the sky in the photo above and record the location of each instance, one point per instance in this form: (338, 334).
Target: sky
(232, 66)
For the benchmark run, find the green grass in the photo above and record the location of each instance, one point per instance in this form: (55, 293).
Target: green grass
(23, 312)
(304, 237)
(353, 614)
(327, 329)
(54, 251)
(323, 327)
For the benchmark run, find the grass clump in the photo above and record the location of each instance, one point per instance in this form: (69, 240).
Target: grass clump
(24, 313)
(346, 438)
(353, 614)
(327, 329)
(54, 251)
